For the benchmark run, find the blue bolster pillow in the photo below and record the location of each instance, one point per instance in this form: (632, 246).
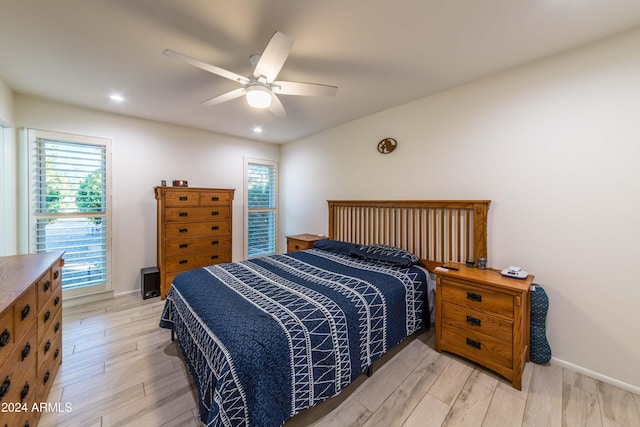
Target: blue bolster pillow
(540, 350)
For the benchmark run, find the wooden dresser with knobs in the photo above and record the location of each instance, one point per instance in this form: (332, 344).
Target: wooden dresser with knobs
(30, 333)
(300, 242)
(194, 230)
(484, 316)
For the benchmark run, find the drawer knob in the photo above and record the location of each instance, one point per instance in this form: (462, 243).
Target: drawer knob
(184, 198)
(4, 388)
(47, 286)
(474, 321)
(473, 343)
(25, 312)
(47, 346)
(47, 315)
(24, 392)
(56, 301)
(183, 230)
(5, 337)
(56, 353)
(215, 213)
(215, 198)
(184, 245)
(214, 228)
(56, 274)
(57, 327)
(183, 214)
(474, 297)
(25, 351)
(214, 242)
(45, 379)
(297, 247)
(214, 256)
(184, 261)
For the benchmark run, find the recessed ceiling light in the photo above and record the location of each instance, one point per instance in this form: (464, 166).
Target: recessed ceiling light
(116, 98)
(257, 129)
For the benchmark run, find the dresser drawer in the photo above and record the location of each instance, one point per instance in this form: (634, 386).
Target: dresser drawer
(214, 198)
(48, 314)
(196, 229)
(18, 374)
(184, 246)
(46, 373)
(197, 214)
(51, 344)
(477, 298)
(25, 312)
(45, 289)
(484, 349)
(462, 318)
(202, 259)
(7, 336)
(181, 198)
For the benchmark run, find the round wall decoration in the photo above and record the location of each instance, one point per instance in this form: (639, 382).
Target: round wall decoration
(387, 145)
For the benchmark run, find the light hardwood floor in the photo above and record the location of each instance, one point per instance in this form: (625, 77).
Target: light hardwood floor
(119, 368)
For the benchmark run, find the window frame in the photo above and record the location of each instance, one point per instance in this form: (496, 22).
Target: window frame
(247, 210)
(32, 135)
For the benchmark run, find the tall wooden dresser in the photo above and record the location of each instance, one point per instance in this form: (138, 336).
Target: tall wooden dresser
(30, 334)
(194, 230)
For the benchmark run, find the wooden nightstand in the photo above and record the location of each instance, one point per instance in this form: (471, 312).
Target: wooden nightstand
(300, 242)
(484, 316)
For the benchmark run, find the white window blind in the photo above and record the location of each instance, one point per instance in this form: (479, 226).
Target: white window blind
(261, 211)
(69, 199)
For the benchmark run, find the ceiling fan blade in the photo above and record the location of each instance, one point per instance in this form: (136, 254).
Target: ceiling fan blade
(304, 89)
(207, 67)
(273, 57)
(276, 107)
(236, 93)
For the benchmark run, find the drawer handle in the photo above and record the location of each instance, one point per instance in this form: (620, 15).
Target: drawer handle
(56, 300)
(25, 351)
(46, 377)
(47, 346)
(473, 343)
(183, 214)
(297, 247)
(474, 297)
(5, 337)
(56, 353)
(47, 286)
(184, 245)
(24, 392)
(4, 388)
(215, 213)
(474, 321)
(183, 230)
(214, 257)
(47, 315)
(184, 261)
(25, 312)
(56, 274)
(214, 242)
(214, 227)
(215, 198)
(184, 198)
(57, 327)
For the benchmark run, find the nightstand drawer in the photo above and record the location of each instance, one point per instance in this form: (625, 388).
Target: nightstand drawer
(477, 298)
(481, 348)
(461, 318)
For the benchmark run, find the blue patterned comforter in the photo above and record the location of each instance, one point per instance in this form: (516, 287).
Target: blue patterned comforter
(269, 337)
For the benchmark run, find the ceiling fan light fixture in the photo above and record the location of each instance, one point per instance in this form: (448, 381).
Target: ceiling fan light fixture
(258, 96)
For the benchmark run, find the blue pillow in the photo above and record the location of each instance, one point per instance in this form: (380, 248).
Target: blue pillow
(336, 246)
(387, 254)
(540, 350)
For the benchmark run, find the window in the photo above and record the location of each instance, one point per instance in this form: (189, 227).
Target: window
(261, 214)
(69, 204)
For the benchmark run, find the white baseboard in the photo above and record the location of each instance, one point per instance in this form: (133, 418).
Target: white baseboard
(598, 376)
(72, 301)
(119, 294)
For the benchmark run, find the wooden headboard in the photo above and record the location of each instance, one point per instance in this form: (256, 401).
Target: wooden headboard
(437, 231)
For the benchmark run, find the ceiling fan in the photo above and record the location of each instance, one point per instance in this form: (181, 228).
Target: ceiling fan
(261, 87)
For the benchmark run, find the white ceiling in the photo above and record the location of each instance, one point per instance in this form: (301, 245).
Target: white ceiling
(380, 53)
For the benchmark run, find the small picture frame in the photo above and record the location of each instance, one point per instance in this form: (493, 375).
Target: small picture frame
(163, 183)
(180, 183)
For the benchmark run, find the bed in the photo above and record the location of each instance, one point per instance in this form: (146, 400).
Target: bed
(267, 338)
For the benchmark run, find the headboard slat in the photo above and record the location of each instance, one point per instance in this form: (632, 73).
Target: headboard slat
(437, 231)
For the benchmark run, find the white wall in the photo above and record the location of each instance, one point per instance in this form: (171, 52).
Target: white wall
(143, 153)
(8, 234)
(555, 145)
